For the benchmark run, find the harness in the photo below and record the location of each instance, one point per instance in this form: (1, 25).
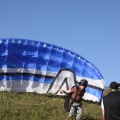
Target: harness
(74, 100)
(69, 101)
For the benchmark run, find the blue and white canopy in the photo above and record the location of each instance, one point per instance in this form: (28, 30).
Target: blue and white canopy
(35, 66)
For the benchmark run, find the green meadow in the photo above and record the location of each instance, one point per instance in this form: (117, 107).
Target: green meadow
(32, 106)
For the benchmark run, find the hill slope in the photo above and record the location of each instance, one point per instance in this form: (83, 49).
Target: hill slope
(31, 106)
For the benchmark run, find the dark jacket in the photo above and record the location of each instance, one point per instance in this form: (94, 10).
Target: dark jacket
(112, 106)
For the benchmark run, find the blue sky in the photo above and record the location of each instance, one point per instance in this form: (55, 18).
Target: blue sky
(90, 28)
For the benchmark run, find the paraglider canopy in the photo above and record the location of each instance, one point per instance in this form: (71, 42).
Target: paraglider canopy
(35, 66)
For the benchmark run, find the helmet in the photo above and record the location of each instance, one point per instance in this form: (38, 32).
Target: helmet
(113, 85)
(83, 82)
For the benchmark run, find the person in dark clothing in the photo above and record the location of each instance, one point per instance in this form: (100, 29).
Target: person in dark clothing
(111, 103)
(77, 94)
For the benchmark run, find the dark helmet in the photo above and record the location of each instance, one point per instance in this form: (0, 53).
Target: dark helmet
(113, 85)
(83, 82)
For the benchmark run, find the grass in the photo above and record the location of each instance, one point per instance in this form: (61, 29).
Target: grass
(32, 106)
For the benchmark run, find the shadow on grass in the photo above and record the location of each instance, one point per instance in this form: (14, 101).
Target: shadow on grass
(88, 117)
(85, 118)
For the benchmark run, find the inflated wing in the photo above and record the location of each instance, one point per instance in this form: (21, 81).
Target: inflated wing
(35, 66)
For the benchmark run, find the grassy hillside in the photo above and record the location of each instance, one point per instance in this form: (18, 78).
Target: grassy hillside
(31, 106)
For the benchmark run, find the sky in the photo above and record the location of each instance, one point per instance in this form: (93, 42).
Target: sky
(90, 28)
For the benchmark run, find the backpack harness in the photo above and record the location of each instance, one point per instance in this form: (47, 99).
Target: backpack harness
(68, 103)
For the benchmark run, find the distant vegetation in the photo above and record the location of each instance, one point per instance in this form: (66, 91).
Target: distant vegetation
(106, 87)
(31, 106)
